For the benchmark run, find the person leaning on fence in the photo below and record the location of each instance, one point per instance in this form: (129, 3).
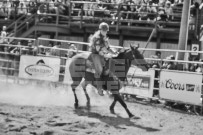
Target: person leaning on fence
(55, 50)
(100, 49)
(3, 35)
(72, 51)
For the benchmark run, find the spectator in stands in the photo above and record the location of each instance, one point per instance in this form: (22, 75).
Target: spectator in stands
(32, 7)
(124, 9)
(151, 9)
(169, 10)
(143, 15)
(155, 63)
(114, 16)
(133, 13)
(193, 66)
(31, 49)
(55, 50)
(22, 10)
(161, 17)
(169, 64)
(8, 9)
(72, 51)
(158, 54)
(3, 35)
(92, 8)
(193, 14)
(86, 7)
(41, 50)
(162, 3)
(199, 67)
(16, 50)
(42, 10)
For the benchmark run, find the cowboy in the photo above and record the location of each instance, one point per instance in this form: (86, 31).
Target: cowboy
(100, 49)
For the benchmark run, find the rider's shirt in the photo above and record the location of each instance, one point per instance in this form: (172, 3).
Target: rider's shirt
(99, 43)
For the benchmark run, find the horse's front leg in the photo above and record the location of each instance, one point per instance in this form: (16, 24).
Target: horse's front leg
(121, 101)
(111, 108)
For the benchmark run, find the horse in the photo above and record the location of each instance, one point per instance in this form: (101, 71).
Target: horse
(112, 81)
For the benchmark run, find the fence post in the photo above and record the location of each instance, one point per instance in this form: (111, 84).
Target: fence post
(81, 16)
(119, 17)
(15, 29)
(70, 10)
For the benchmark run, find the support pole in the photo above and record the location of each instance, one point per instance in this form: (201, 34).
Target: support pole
(183, 36)
(121, 39)
(150, 37)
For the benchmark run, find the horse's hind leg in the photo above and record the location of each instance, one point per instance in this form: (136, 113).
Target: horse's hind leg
(84, 85)
(121, 101)
(74, 85)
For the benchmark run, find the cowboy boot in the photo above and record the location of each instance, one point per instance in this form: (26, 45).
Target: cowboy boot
(99, 84)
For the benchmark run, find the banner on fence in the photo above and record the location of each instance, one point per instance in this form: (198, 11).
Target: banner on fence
(40, 68)
(139, 83)
(181, 86)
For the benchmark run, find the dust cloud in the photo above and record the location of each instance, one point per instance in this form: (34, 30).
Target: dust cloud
(48, 95)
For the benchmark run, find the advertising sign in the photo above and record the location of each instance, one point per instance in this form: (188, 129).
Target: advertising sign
(139, 83)
(181, 86)
(195, 47)
(40, 68)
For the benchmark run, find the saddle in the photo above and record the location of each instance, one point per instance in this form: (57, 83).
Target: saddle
(91, 68)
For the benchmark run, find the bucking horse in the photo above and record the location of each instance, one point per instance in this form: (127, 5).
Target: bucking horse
(112, 81)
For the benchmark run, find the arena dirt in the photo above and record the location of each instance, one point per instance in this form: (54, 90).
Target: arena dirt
(30, 109)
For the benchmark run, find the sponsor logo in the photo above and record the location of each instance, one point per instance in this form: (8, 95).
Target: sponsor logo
(190, 87)
(139, 82)
(39, 69)
(170, 84)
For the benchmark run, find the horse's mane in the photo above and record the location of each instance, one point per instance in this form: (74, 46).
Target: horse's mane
(121, 55)
(127, 62)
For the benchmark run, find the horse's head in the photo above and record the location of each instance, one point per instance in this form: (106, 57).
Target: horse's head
(133, 53)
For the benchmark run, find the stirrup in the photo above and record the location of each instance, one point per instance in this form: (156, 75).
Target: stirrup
(100, 92)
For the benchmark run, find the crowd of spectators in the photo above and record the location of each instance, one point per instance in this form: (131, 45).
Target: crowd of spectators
(128, 12)
(154, 10)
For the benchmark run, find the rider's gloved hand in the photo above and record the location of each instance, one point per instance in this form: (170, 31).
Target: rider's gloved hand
(108, 55)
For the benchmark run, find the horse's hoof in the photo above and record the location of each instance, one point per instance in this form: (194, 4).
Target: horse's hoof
(112, 111)
(88, 105)
(131, 116)
(76, 105)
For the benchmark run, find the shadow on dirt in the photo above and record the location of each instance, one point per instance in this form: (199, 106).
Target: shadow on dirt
(117, 122)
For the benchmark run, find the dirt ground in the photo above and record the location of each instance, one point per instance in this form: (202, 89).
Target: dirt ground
(27, 109)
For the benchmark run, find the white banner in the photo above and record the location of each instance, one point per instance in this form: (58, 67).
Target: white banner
(40, 68)
(139, 83)
(181, 86)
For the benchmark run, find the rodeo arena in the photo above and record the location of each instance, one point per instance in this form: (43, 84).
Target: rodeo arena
(101, 67)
